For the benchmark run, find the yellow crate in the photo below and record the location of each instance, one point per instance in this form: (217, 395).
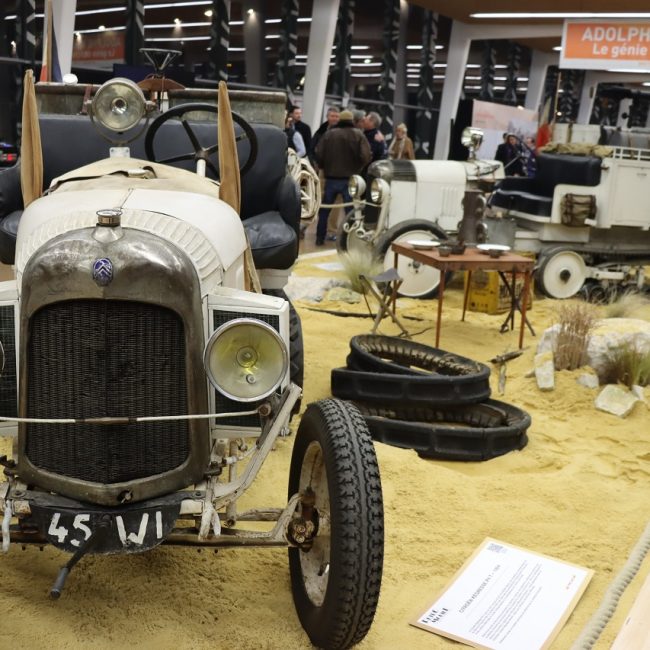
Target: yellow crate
(488, 293)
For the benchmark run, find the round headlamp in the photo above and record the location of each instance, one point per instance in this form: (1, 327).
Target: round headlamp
(246, 360)
(378, 190)
(118, 104)
(356, 186)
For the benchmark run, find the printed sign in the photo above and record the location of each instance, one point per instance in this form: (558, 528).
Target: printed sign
(506, 598)
(606, 45)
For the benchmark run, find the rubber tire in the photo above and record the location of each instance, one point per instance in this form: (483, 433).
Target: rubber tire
(542, 263)
(356, 525)
(470, 433)
(418, 390)
(377, 353)
(296, 346)
(384, 243)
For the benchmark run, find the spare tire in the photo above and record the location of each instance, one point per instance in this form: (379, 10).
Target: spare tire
(421, 389)
(469, 433)
(374, 352)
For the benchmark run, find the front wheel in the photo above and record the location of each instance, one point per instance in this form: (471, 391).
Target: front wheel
(335, 578)
(561, 273)
(418, 280)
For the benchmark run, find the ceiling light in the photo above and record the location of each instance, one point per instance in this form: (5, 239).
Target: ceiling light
(177, 40)
(101, 28)
(557, 48)
(559, 14)
(273, 21)
(177, 21)
(208, 13)
(175, 24)
(367, 60)
(250, 12)
(419, 47)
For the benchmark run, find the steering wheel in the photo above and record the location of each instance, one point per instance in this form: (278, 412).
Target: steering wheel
(199, 151)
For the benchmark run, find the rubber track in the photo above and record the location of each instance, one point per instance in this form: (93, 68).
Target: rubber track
(374, 352)
(472, 433)
(359, 520)
(385, 388)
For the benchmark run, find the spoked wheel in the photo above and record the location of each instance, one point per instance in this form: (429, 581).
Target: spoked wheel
(336, 575)
(561, 273)
(349, 242)
(418, 280)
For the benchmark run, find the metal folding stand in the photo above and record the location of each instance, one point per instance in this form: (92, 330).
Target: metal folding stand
(390, 282)
(515, 303)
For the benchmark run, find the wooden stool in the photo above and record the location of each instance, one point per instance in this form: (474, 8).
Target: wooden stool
(386, 297)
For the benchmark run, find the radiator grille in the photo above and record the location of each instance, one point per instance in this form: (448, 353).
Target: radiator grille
(8, 388)
(224, 404)
(98, 358)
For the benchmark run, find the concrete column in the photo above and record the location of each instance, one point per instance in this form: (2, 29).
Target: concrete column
(459, 43)
(540, 61)
(321, 40)
(587, 97)
(254, 43)
(63, 22)
(624, 108)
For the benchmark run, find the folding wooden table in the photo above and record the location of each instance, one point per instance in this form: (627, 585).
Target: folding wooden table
(474, 260)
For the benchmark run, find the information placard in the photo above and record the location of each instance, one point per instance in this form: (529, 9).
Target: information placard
(506, 598)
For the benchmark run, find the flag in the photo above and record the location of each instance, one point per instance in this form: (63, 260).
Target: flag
(230, 188)
(545, 128)
(31, 156)
(50, 69)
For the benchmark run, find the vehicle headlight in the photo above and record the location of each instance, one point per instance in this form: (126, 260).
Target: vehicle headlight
(378, 190)
(356, 186)
(246, 359)
(119, 104)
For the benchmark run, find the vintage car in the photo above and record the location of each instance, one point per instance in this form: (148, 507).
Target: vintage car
(405, 200)
(145, 378)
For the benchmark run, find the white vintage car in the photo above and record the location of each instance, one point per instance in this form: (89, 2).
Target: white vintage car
(144, 378)
(408, 200)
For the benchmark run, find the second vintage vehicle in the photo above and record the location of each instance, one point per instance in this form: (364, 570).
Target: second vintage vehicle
(144, 378)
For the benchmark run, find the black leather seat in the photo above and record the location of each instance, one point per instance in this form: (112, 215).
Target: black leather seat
(270, 205)
(535, 195)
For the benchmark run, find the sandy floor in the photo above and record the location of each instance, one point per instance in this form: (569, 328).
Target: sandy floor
(578, 491)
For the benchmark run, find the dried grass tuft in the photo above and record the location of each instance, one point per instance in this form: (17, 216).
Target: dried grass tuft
(576, 321)
(360, 261)
(626, 364)
(630, 304)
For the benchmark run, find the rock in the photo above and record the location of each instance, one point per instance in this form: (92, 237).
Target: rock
(588, 380)
(640, 394)
(309, 288)
(616, 400)
(342, 294)
(608, 333)
(545, 371)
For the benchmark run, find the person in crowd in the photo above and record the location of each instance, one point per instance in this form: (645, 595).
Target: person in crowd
(401, 148)
(331, 120)
(530, 157)
(509, 153)
(301, 127)
(500, 155)
(341, 152)
(375, 137)
(294, 139)
(359, 119)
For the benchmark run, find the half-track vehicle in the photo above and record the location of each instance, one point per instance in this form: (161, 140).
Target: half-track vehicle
(145, 376)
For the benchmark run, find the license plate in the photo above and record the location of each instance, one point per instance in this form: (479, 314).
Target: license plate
(128, 531)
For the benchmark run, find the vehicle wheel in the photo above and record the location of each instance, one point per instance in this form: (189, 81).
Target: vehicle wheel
(296, 348)
(418, 280)
(335, 582)
(346, 242)
(376, 353)
(561, 273)
(470, 433)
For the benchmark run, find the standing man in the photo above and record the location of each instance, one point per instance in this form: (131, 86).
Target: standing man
(375, 137)
(341, 152)
(332, 119)
(301, 127)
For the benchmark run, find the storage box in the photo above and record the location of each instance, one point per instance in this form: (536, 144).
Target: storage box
(488, 293)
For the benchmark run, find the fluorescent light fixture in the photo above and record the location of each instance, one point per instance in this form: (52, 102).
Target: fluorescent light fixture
(100, 29)
(176, 24)
(272, 36)
(105, 10)
(557, 48)
(236, 49)
(358, 47)
(272, 21)
(180, 39)
(646, 83)
(631, 70)
(369, 74)
(419, 47)
(366, 65)
(165, 5)
(305, 20)
(541, 15)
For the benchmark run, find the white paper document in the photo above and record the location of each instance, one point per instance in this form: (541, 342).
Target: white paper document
(507, 598)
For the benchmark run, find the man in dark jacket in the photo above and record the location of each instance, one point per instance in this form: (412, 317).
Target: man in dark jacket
(341, 152)
(375, 137)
